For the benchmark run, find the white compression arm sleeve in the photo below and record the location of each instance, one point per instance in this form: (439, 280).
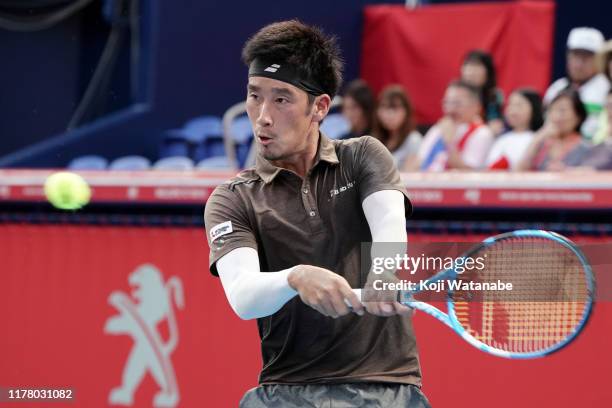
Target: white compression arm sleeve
(386, 216)
(254, 294)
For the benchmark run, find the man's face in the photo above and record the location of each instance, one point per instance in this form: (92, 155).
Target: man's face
(581, 65)
(281, 117)
(460, 105)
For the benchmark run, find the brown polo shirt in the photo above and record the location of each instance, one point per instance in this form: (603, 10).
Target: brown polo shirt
(318, 221)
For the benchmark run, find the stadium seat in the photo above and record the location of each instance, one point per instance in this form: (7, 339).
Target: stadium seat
(335, 125)
(200, 128)
(204, 134)
(179, 163)
(130, 163)
(90, 162)
(210, 128)
(174, 144)
(209, 147)
(215, 163)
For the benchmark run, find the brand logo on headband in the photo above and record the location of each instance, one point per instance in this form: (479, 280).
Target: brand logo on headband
(272, 68)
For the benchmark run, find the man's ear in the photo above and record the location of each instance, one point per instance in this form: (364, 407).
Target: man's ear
(321, 106)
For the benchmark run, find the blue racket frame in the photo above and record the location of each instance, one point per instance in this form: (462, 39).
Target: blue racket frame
(450, 319)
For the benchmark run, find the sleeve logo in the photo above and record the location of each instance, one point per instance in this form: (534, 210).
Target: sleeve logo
(220, 230)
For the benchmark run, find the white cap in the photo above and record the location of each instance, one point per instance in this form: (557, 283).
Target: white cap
(585, 38)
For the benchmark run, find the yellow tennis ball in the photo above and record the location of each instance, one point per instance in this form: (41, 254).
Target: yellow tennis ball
(67, 191)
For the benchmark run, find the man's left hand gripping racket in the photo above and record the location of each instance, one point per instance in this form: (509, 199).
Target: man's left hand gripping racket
(550, 303)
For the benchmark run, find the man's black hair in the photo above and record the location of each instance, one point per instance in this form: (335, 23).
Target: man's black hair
(314, 54)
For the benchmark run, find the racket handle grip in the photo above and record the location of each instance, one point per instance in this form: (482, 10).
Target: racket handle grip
(358, 293)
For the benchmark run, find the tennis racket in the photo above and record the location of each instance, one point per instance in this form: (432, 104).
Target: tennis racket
(548, 306)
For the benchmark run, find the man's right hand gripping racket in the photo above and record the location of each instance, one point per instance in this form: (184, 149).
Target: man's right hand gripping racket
(549, 304)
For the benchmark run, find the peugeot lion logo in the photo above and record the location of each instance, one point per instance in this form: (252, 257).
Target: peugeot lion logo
(151, 302)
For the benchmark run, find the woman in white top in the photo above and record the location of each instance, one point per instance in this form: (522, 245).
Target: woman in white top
(394, 125)
(523, 115)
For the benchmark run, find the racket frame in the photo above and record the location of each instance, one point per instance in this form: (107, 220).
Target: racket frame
(451, 320)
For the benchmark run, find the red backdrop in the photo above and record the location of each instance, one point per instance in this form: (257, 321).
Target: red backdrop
(422, 49)
(55, 283)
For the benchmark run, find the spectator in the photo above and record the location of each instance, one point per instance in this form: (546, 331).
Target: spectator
(358, 108)
(606, 68)
(582, 75)
(460, 140)
(599, 157)
(524, 116)
(559, 144)
(478, 69)
(394, 125)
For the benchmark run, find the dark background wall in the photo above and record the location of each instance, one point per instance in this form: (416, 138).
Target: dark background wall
(207, 55)
(192, 67)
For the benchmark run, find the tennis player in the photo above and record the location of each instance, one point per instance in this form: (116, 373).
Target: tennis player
(285, 238)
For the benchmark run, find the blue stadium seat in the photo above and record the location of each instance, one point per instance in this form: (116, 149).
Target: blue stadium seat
(177, 163)
(335, 125)
(214, 163)
(90, 162)
(209, 147)
(201, 128)
(174, 144)
(130, 163)
(203, 134)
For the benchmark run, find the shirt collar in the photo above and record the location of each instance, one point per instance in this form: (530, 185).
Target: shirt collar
(326, 151)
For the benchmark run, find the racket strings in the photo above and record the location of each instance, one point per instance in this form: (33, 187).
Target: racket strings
(546, 304)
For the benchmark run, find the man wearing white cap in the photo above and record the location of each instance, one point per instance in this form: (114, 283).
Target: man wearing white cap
(583, 43)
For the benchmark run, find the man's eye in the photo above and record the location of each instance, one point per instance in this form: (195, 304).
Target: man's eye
(281, 100)
(253, 96)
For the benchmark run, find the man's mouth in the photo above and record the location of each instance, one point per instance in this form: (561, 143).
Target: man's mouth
(264, 140)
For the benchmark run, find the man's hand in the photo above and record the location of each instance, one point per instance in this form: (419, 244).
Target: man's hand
(324, 291)
(383, 302)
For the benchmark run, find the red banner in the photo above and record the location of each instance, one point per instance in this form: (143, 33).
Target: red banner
(422, 49)
(130, 316)
(122, 315)
(577, 190)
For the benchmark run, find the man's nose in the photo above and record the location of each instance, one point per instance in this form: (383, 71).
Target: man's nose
(264, 118)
